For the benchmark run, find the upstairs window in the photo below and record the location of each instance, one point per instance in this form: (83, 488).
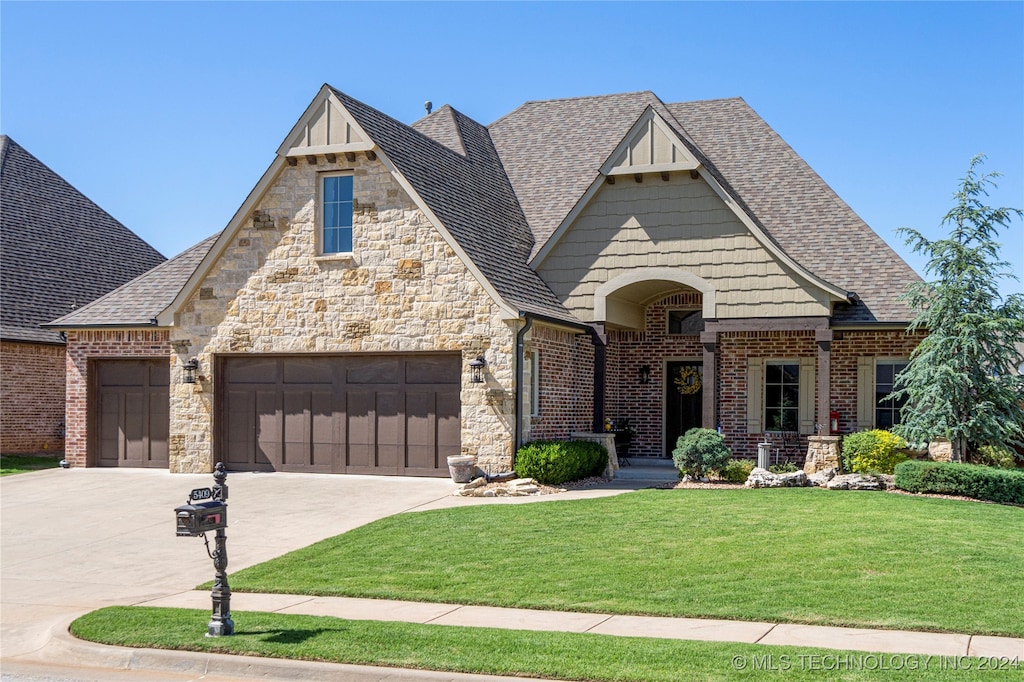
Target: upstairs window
(336, 213)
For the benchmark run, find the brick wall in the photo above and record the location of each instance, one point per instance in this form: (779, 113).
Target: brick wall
(31, 398)
(630, 350)
(84, 346)
(566, 383)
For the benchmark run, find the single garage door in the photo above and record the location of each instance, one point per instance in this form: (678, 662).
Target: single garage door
(379, 414)
(131, 412)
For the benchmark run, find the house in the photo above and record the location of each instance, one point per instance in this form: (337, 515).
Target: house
(389, 295)
(58, 251)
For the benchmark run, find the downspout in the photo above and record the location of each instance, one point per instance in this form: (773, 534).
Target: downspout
(600, 355)
(520, 335)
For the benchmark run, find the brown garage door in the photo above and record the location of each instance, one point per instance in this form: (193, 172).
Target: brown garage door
(381, 414)
(131, 412)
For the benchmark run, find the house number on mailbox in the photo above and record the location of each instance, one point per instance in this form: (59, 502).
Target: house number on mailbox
(201, 494)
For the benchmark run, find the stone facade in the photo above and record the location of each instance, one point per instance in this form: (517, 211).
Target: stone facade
(82, 348)
(32, 408)
(402, 290)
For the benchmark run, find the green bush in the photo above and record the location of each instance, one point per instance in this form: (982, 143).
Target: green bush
(784, 468)
(699, 451)
(558, 461)
(994, 456)
(969, 480)
(736, 470)
(873, 451)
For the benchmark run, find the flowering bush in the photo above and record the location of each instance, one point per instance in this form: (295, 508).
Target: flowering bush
(873, 451)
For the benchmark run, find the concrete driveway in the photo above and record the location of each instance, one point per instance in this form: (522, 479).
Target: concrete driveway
(77, 539)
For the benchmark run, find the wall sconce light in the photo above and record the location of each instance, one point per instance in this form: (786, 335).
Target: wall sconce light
(191, 370)
(476, 370)
(645, 374)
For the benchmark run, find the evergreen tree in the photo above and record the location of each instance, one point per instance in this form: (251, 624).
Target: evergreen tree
(963, 381)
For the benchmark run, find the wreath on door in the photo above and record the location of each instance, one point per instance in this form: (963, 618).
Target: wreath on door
(688, 381)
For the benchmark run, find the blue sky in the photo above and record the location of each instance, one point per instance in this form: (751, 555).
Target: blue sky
(166, 114)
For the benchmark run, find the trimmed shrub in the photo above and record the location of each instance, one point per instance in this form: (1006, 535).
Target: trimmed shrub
(968, 480)
(558, 461)
(736, 470)
(699, 451)
(873, 451)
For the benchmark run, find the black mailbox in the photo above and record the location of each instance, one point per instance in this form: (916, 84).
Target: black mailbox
(201, 517)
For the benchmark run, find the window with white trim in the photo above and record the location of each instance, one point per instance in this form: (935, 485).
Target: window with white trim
(531, 383)
(336, 213)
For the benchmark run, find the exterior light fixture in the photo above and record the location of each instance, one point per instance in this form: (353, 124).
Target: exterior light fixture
(191, 370)
(645, 374)
(476, 370)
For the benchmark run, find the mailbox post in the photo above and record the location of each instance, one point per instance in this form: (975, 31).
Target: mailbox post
(196, 518)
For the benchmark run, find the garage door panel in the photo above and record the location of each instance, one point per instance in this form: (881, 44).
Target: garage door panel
(449, 427)
(421, 431)
(110, 428)
(268, 429)
(252, 371)
(241, 429)
(389, 431)
(307, 371)
(361, 434)
(433, 370)
(159, 429)
(373, 371)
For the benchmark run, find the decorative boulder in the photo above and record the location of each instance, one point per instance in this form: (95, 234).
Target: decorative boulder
(821, 478)
(822, 454)
(855, 482)
(762, 478)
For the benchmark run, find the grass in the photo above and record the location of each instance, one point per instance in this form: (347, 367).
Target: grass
(789, 555)
(20, 464)
(552, 655)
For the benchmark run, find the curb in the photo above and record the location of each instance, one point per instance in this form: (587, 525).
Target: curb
(63, 646)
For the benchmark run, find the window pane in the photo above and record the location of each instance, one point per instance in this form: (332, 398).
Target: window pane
(331, 241)
(789, 420)
(344, 213)
(773, 396)
(773, 373)
(330, 215)
(790, 396)
(344, 187)
(791, 374)
(331, 189)
(345, 240)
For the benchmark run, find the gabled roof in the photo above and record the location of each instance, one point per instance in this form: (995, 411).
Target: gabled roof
(472, 198)
(140, 301)
(59, 250)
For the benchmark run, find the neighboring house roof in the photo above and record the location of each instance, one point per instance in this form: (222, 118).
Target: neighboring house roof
(58, 249)
(138, 302)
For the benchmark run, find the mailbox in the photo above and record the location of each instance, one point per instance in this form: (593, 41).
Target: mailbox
(201, 517)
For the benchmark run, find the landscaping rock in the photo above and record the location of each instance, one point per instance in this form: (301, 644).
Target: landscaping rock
(821, 478)
(762, 478)
(855, 482)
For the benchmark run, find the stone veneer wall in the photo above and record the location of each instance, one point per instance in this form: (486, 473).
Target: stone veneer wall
(566, 362)
(31, 398)
(403, 290)
(644, 404)
(83, 346)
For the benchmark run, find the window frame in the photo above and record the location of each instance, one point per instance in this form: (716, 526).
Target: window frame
(322, 227)
(878, 407)
(795, 408)
(688, 312)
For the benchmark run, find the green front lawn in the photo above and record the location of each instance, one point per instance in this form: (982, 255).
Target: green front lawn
(551, 655)
(20, 464)
(858, 559)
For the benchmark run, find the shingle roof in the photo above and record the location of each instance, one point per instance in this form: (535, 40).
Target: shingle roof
(570, 139)
(803, 214)
(139, 301)
(58, 249)
(472, 197)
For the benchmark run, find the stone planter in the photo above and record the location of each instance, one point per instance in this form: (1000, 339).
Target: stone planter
(462, 468)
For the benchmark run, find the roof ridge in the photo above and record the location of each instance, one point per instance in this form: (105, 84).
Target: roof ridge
(573, 99)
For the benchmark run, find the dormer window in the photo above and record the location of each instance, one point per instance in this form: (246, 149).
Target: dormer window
(336, 213)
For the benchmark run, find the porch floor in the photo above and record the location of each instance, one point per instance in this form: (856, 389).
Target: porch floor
(657, 469)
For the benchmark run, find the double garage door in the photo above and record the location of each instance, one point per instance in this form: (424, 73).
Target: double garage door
(378, 414)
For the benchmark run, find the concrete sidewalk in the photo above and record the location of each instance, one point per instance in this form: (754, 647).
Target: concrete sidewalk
(852, 639)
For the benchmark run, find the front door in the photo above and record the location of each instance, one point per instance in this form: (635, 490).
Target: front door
(683, 400)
